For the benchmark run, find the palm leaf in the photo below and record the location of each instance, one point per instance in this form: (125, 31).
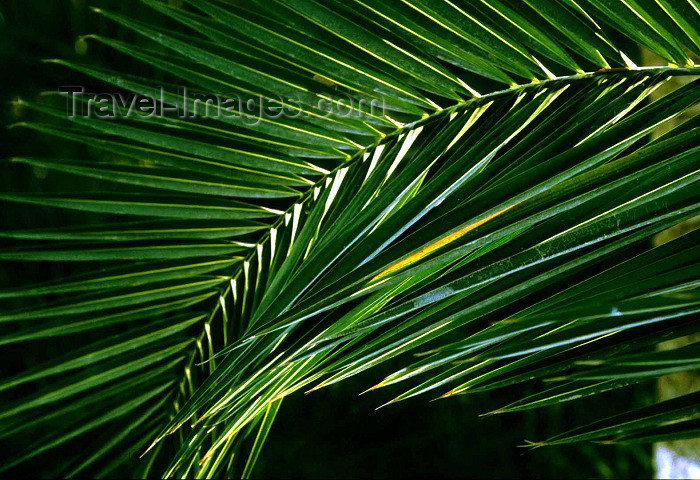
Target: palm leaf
(496, 217)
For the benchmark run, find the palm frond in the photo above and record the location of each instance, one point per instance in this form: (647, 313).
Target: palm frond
(496, 218)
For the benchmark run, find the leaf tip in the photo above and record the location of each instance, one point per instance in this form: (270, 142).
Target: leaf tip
(386, 404)
(374, 387)
(494, 412)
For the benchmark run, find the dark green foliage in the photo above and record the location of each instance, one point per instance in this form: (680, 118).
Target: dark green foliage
(487, 236)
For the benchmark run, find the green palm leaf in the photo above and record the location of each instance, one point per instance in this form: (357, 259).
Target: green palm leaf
(496, 218)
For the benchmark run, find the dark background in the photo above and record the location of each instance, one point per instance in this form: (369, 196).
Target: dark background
(332, 432)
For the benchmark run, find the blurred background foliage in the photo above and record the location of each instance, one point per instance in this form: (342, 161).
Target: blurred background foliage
(332, 432)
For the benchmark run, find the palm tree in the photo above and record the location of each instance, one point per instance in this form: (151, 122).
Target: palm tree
(500, 215)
